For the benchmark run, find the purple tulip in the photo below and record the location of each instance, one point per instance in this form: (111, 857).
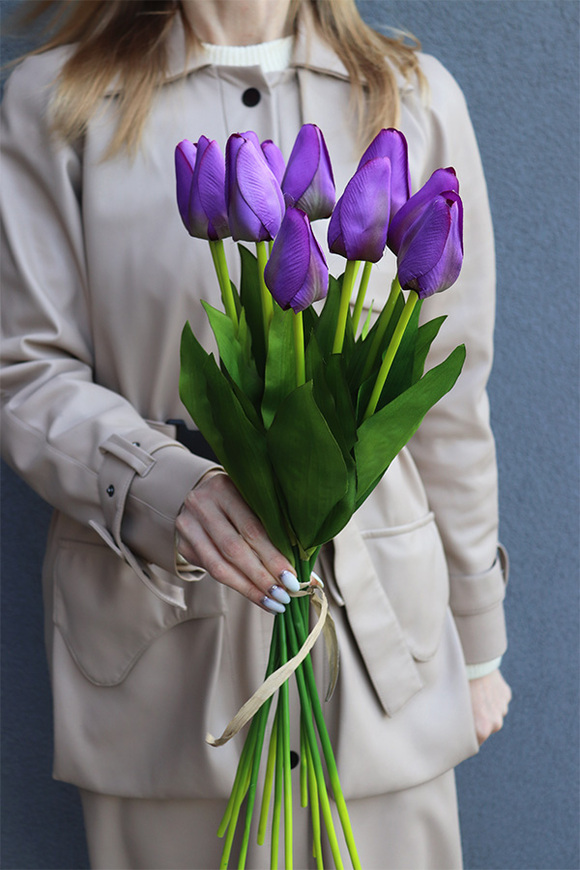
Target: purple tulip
(441, 181)
(431, 252)
(392, 144)
(296, 273)
(274, 159)
(254, 199)
(308, 183)
(358, 226)
(200, 174)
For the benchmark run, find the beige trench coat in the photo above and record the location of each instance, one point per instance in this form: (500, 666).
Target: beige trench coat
(99, 278)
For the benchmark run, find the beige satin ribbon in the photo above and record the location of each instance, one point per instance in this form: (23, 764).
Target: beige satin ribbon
(324, 623)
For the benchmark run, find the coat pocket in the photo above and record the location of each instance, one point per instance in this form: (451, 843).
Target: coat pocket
(107, 617)
(411, 566)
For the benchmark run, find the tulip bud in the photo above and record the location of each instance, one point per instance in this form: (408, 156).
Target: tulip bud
(358, 226)
(308, 182)
(274, 159)
(392, 144)
(200, 174)
(431, 252)
(296, 273)
(441, 180)
(254, 200)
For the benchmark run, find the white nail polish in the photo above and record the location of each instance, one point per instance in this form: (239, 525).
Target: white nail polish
(279, 594)
(290, 581)
(319, 581)
(273, 606)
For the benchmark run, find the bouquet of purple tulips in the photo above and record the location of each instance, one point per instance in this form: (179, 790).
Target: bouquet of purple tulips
(313, 384)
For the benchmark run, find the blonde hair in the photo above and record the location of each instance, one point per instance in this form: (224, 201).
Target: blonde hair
(125, 41)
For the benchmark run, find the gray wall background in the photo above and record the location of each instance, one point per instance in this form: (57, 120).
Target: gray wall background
(517, 61)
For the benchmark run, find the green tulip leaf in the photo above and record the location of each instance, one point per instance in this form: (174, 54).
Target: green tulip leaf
(425, 338)
(400, 377)
(363, 348)
(251, 298)
(332, 396)
(341, 512)
(308, 463)
(384, 434)
(234, 351)
(327, 322)
(194, 387)
(238, 444)
(280, 375)
(313, 356)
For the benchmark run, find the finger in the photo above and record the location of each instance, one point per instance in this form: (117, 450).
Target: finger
(267, 557)
(202, 550)
(253, 533)
(203, 518)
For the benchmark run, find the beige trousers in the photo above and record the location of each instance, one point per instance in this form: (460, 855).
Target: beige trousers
(415, 829)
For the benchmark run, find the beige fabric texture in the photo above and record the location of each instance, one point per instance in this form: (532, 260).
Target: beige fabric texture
(419, 828)
(99, 277)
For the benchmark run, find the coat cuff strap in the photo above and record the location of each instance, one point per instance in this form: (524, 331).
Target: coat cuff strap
(477, 604)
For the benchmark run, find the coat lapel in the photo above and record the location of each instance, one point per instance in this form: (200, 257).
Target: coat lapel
(379, 636)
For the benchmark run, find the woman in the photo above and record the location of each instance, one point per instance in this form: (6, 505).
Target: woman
(99, 278)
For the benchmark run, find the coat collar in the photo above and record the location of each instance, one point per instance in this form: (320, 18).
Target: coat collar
(310, 52)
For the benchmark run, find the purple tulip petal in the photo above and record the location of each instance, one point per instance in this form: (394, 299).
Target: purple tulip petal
(250, 136)
(308, 182)
(259, 205)
(185, 154)
(392, 144)
(254, 200)
(315, 286)
(440, 181)
(431, 253)
(335, 239)
(364, 212)
(210, 184)
(296, 273)
(274, 159)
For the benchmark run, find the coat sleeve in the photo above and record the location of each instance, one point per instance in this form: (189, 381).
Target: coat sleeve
(454, 448)
(81, 446)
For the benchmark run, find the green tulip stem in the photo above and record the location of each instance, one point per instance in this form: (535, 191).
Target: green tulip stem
(360, 297)
(285, 712)
(305, 691)
(315, 810)
(268, 783)
(327, 751)
(303, 767)
(267, 302)
(248, 767)
(238, 795)
(278, 788)
(381, 327)
(221, 267)
(345, 296)
(239, 781)
(298, 322)
(261, 719)
(390, 354)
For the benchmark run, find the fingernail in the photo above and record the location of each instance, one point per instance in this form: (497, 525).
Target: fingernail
(290, 581)
(318, 580)
(279, 594)
(274, 606)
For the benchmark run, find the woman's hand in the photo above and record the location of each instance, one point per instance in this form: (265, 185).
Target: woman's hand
(217, 531)
(490, 698)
